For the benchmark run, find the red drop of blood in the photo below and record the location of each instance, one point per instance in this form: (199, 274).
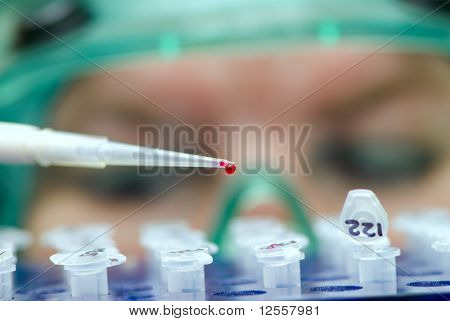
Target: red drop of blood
(230, 168)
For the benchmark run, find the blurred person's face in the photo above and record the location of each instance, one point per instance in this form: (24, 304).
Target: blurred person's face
(384, 125)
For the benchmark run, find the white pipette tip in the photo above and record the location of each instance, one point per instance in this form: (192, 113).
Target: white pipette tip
(281, 263)
(184, 269)
(88, 270)
(21, 143)
(112, 153)
(7, 267)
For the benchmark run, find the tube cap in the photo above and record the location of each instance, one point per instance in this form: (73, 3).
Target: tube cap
(363, 217)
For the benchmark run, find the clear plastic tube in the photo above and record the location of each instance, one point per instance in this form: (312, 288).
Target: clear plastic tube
(87, 270)
(184, 269)
(281, 263)
(7, 267)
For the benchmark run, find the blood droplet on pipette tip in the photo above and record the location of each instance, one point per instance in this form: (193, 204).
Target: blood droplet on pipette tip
(230, 168)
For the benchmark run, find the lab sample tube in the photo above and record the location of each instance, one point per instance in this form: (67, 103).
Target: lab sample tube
(332, 243)
(377, 265)
(73, 238)
(88, 278)
(363, 217)
(164, 227)
(353, 251)
(423, 227)
(365, 222)
(184, 269)
(442, 248)
(7, 267)
(15, 238)
(281, 263)
(246, 233)
(248, 225)
(158, 238)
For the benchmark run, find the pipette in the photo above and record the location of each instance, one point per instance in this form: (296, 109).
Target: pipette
(27, 144)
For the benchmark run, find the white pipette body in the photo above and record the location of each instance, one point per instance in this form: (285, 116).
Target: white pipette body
(27, 144)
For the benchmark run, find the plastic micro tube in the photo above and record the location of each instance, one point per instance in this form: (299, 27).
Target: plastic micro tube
(422, 228)
(185, 270)
(251, 234)
(365, 221)
(442, 247)
(363, 217)
(7, 267)
(167, 237)
(15, 238)
(281, 263)
(88, 270)
(332, 245)
(74, 238)
(353, 249)
(176, 240)
(247, 225)
(377, 265)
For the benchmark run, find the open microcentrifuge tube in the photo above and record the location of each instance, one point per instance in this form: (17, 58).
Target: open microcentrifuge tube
(246, 233)
(168, 227)
(332, 244)
(423, 227)
(377, 265)
(442, 247)
(74, 238)
(281, 263)
(15, 238)
(157, 239)
(246, 225)
(88, 270)
(365, 221)
(184, 269)
(175, 239)
(7, 267)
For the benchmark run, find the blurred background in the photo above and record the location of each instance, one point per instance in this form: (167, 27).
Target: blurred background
(371, 76)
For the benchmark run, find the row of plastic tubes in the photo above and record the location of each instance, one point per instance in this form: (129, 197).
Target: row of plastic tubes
(262, 247)
(427, 240)
(177, 255)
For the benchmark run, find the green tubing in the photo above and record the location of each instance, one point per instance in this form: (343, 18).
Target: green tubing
(240, 194)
